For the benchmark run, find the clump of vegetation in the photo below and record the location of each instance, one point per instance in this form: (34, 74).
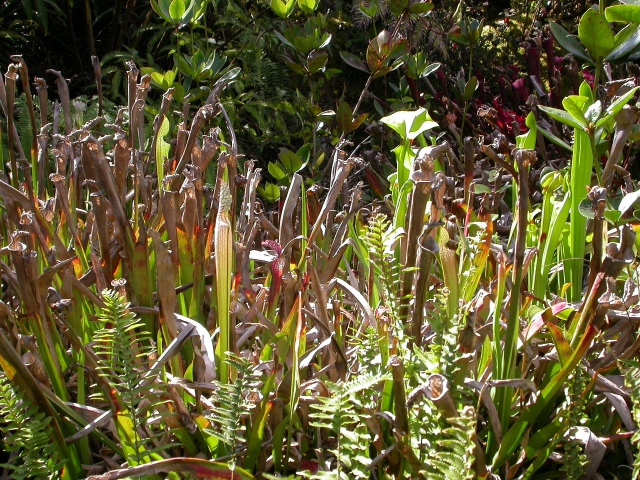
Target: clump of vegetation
(469, 312)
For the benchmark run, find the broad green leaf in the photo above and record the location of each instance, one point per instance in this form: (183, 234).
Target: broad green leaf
(623, 13)
(596, 34)
(176, 10)
(410, 124)
(555, 140)
(626, 44)
(316, 61)
(308, 6)
(284, 40)
(270, 192)
(576, 105)
(593, 112)
(562, 117)
(344, 116)
(430, 69)
(585, 91)
(282, 8)
(569, 42)
(290, 160)
(586, 208)
(275, 171)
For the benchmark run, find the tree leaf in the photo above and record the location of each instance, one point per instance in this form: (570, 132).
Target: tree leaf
(626, 45)
(353, 61)
(308, 6)
(421, 7)
(623, 13)
(282, 8)
(176, 11)
(569, 42)
(290, 160)
(596, 34)
(470, 87)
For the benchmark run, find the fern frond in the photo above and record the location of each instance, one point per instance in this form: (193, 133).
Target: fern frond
(380, 238)
(27, 436)
(123, 347)
(232, 406)
(345, 413)
(574, 456)
(454, 456)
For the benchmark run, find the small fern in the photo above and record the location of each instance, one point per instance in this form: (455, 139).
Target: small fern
(232, 405)
(380, 238)
(345, 413)
(123, 347)
(455, 456)
(26, 436)
(574, 456)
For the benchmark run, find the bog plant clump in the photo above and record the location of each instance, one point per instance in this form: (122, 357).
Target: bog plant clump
(210, 271)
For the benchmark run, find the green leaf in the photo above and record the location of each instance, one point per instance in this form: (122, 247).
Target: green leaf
(410, 124)
(562, 117)
(596, 34)
(270, 192)
(176, 10)
(625, 45)
(586, 208)
(470, 88)
(282, 8)
(316, 61)
(290, 160)
(528, 140)
(613, 109)
(513, 437)
(623, 13)
(344, 116)
(353, 61)
(576, 105)
(275, 171)
(421, 7)
(308, 6)
(593, 112)
(569, 42)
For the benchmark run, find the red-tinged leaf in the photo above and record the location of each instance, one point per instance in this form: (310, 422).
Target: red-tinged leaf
(344, 117)
(545, 317)
(277, 268)
(358, 120)
(374, 182)
(562, 346)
